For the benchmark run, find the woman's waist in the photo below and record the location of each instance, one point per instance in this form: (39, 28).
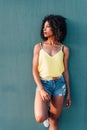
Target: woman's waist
(51, 77)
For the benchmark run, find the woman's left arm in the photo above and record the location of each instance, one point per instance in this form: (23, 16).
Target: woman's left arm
(66, 76)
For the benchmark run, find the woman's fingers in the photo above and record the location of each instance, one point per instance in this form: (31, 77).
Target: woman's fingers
(68, 103)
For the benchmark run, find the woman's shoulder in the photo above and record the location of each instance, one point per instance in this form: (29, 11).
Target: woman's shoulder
(66, 48)
(37, 47)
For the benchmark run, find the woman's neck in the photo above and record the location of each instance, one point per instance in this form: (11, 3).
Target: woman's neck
(53, 41)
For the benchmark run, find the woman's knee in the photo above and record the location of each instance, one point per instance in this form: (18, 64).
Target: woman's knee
(40, 118)
(54, 118)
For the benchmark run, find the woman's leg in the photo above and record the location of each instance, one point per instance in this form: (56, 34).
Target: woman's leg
(40, 108)
(55, 111)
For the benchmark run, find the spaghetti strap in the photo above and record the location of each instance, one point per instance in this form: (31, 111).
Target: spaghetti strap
(41, 46)
(62, 48)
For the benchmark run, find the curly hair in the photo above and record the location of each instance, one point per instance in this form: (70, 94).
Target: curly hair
(58, 25)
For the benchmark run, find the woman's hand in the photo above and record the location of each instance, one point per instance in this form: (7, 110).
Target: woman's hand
(68, 101)
(45, 96)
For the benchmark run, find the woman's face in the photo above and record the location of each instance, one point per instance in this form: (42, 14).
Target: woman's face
(47, 30)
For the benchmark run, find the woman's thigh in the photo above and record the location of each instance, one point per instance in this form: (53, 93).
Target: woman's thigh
(40, 108)
(56, 106)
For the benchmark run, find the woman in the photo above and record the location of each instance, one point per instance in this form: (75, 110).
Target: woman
(50, 72)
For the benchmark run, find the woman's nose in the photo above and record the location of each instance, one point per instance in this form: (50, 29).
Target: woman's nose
(44, 29)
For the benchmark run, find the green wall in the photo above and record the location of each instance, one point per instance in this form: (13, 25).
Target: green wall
(20, 22)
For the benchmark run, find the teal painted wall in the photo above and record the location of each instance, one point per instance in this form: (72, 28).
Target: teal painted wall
(20, 22)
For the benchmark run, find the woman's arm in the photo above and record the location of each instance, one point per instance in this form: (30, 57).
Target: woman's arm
(66, 75)
(35, 66)
(45, 96)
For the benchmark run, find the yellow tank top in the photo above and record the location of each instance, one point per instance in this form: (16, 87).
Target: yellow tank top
(50, 66)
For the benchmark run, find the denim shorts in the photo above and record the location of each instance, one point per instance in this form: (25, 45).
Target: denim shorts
(55, 87)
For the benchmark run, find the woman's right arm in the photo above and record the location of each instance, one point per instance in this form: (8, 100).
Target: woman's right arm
(35, 66)
(45, 96)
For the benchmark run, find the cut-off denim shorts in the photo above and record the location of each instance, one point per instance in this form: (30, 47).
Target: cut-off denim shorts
(55, 87)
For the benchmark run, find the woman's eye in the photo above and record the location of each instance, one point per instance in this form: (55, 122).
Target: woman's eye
(48, 26)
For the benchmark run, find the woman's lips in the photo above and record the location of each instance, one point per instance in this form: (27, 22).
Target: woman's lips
(45, 33)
